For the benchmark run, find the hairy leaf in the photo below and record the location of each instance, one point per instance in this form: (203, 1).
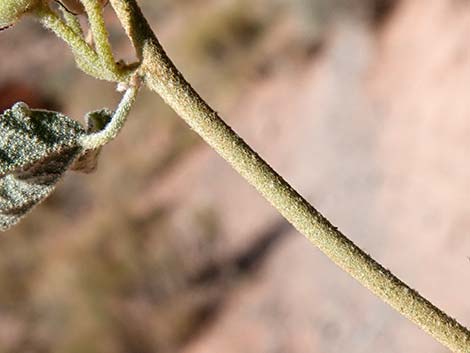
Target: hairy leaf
(36, 148)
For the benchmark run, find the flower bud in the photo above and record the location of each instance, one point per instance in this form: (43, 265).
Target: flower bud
(12, 10)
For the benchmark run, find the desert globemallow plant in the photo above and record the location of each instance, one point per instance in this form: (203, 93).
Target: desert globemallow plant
(38, 146)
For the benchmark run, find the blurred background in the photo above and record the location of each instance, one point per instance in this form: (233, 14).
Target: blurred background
(361, 104)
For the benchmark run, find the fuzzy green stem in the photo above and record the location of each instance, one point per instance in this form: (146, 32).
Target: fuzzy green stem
(94, 10)
(161, 76)
(85, 57)
(89, 61)
(99, 139)
(71, 20)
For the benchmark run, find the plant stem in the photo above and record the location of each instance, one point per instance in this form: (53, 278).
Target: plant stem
(85, 57)
(98, 139)
(71, 20)
(161, 76)
(94, 10)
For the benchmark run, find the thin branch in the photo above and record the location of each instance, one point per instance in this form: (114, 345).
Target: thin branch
(161, 76)
(71, 20)
(99, 139)
(99, 64)
(85, 57)
(94, 10)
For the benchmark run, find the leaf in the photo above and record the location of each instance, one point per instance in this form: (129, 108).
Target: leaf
(36, 149)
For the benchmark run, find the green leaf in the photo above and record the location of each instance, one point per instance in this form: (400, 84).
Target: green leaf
(36, 149)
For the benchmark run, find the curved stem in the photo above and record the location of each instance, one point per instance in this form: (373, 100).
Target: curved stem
(85, 57)
(161, 76)
(98, 139)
